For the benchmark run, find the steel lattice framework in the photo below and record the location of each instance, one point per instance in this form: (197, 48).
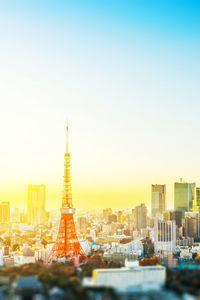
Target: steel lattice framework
(67, 244)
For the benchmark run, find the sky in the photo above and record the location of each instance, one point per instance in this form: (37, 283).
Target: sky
(125, 74)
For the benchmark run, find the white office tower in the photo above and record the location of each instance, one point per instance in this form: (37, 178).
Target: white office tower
(164, 235)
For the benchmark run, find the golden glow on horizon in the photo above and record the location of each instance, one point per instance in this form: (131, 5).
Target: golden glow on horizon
(129, 87)
(86, 196)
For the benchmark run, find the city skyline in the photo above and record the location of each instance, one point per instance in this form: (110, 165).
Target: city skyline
(99, 155)
(158, 199)
(169, 202)
(126, 77)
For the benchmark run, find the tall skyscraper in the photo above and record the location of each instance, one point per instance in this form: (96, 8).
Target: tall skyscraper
(82, 224)
(158, 199)
(184, 195)
(197, 194)
(4, 212)
(164, 235)
(191, 224)
(119, 216)
(140, 216)
(196, 204)
(173, 215)
(106, 213)
(36, 204)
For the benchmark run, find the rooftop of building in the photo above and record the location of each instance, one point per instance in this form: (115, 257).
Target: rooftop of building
(129, 269)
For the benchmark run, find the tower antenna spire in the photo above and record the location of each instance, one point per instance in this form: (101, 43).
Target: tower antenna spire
(67, 245)
(67, 142)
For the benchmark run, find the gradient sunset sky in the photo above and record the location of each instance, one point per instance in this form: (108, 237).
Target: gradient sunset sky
(124, 73)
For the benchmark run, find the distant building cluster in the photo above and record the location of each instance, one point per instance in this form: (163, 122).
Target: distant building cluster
(120, 234)
(123, 236)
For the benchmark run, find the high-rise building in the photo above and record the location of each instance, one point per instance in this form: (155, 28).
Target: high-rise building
(82, 224)
(196, 204)
(164, 235)
(191, 224)
(106, 213)
(36, 204)
(158, 199)
(173, 215)
(184, 195)
(23, 217)
(16, 215)
(197, 194)
(112, 219)
(167, 215)
(140, 216)
(4, 212)
(133, 215)
(119, 216)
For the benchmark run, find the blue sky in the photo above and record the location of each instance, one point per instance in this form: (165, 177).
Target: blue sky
(125, 74)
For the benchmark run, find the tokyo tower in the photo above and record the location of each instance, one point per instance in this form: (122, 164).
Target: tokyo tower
(67, 244)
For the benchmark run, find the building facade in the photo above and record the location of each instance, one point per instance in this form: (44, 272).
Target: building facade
(173, 215)
(36, 204)
(164, 235)
(196, 204)
(198, 196)
(4, 212)
(184, 195)
(158, 199)
(140, 216)
(122, 279)
(191, 224)
(106, 213)
(112, 219)
(82, 224)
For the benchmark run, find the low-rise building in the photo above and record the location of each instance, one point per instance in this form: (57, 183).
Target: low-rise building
(117, 257)
(123, 279)
(185, 241)
(22, 259)
(126, 247)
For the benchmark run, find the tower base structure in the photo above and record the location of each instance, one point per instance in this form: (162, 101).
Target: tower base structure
(67, 245)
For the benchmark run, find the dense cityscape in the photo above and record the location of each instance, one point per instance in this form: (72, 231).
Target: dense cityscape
(121, 219)
(101, 254)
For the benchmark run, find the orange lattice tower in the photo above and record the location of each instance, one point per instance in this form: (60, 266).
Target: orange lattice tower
(67, 244)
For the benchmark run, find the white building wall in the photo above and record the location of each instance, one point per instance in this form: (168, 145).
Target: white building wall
(86, 246)
(21, 259)
(165, 237)
(124, 278)
(135, 245)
